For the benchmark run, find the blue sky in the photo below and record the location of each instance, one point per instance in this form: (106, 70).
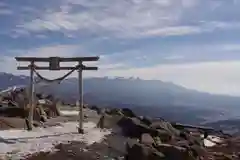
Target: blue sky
(193, 43)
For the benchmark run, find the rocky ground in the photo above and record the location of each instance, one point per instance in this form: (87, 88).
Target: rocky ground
(107, 149)
(142, 138)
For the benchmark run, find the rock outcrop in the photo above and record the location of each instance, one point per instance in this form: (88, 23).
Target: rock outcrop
(158, 139)
(44, 108)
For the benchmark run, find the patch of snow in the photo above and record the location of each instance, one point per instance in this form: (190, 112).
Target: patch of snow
(69, 113)
(11, 89)
(208, 143)
(215, 139)
(42, 101)
(211, 141)
(18, 144)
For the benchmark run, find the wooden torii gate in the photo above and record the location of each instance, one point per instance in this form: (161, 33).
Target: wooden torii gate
(54, 64)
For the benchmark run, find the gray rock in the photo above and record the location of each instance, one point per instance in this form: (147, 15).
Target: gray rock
(173, 152)
(157, 141)
(130, 143)
(157, 156)
(198, 151)
(108, 121)
(95, 108)
(191, 139)
(128, 112)
(147, 139)
(143, 152)
(184, 135)
(132, 127)
(86, 116)
(163, 125)
(183, 143)
(146, 120)
(114, 111)
(165, 136)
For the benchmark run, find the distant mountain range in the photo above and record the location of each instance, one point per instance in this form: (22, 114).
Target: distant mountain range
(146, 97)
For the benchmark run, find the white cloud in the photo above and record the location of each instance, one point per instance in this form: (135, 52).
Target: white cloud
(110, 66)
(120, 18)
(222, 25)
(46, 51)
(5, 11)
(125, 19)
(41, 36)
(2, 4)
(174, 57)
(189, 3)
(230, 47)
(173, 31)
(54, 50)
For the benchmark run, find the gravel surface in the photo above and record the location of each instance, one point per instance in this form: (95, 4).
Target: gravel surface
(111, 148)
(73, 150)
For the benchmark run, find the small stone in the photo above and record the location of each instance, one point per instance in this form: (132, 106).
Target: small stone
(86, 116)
(157, 140)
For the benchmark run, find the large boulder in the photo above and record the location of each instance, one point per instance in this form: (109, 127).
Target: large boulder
(108, 121)
(132, 127)
(13, 112)
(191, 139)
(163, 125)
(165, 136)
(95, 108)
(147, 139)
(198, 151)
(128, 112)
(146, 120)
(114, 111)
(157, 141)
(174, 152)
(182, 143)
(139, 151)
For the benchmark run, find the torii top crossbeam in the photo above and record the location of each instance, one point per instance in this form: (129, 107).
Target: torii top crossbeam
(61, 59)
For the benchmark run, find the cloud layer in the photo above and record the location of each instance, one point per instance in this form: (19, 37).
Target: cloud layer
(128, 18)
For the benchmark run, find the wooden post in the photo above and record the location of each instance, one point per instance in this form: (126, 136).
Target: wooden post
(80, 79)
(31, 96)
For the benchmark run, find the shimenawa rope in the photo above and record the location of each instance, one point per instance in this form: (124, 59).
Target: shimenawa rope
(53, 80)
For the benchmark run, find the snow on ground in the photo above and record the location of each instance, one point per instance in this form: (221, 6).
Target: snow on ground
(69, 113)
(20, 143)
(211, 141)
